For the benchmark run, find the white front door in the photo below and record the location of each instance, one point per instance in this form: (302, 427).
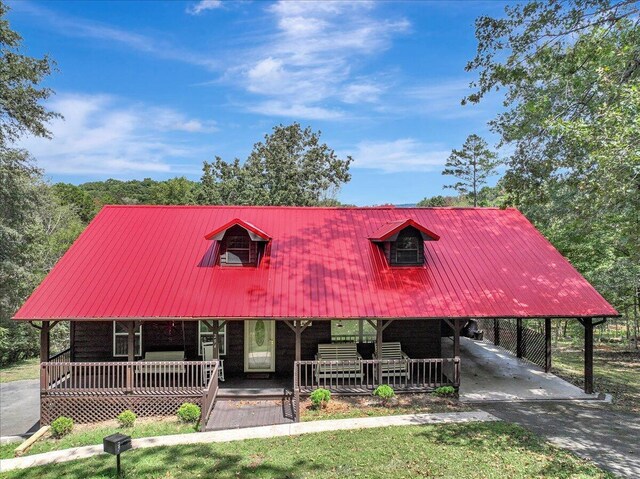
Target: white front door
(260, 346)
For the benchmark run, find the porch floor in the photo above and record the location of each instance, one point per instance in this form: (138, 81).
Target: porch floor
(240, 414)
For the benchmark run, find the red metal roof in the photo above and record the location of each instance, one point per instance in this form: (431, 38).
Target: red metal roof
(386, 231)
(154, 262)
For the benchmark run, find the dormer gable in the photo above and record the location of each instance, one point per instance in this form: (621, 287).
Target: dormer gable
(241, 243)
(403, 242)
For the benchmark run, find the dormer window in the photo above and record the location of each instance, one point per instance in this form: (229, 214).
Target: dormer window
(408, 248)
(238, 249)
(241, 243)
(402, 242)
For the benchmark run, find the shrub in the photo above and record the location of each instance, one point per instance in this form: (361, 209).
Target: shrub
(189, 412)
(384, 392)
(445, 391)
(61, 426)
(127, 418)
(320, 398)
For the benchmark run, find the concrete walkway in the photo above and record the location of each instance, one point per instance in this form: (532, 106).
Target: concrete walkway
(19, 407)
(263, 432)
(489, 373)
(589, 429)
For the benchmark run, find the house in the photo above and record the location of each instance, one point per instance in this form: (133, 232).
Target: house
(305, 294)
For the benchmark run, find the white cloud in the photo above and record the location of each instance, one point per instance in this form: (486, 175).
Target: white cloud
(406, 154)
(100, 134)
(295, 110)
(442, 100)
(83, 28)
(310, 60)
(203, 5)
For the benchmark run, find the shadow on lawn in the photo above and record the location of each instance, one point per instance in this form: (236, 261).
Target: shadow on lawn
(172, 462)
(496, 437)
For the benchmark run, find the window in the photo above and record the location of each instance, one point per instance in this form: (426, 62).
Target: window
(121, 340)
(238, 249)
(352, 331)
(205, 336)
(407, 249)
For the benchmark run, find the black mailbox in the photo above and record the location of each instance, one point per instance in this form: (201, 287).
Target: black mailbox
(116, 443)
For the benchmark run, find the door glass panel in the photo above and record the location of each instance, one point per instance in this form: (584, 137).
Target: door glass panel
(260, 345)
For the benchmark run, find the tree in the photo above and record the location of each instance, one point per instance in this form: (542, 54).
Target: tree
(570, 71)
(176, 191)
(471, 165)
(291, 167)
(20, 93)
(78, 199)
(34, 228)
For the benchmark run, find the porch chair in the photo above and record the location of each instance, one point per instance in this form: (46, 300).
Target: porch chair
(339, 361)
(207, 355)
(400, 366)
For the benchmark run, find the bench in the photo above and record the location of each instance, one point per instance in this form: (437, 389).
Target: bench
(207, 355)
(168, 356)
(392, 351)
(339, 361)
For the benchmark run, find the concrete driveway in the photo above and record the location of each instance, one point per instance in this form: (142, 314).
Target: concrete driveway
(609, 438)
(19, 407)
(489, 373)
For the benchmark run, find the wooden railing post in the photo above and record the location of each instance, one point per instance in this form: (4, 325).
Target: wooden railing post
(296, 390)
(44, 342)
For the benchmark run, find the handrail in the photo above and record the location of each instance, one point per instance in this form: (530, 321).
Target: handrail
(209, 396)
(124, 377)
(65, 352)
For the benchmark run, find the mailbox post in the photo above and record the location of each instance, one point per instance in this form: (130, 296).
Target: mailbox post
(115, 444)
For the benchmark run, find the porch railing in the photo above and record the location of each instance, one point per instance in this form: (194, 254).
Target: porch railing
(363, 376)
(353, 338)
(59, 378)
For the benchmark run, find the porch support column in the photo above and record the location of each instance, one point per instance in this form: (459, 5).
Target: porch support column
(547, 345)
(456, 338)
(298, 327)
(131, 352)
(519, 344)
(214, 327)
(588, 355)
(44, 341)
(496, 332)
(380, 325)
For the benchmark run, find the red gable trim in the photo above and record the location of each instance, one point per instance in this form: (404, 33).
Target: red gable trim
(387, 231)
(238, 222)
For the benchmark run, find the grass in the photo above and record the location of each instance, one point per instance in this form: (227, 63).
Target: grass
(365, 406)
(474, 450)
(90, 434)
(616, 371)
(25, 369)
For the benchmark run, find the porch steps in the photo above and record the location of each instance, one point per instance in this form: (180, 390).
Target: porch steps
(250, 413)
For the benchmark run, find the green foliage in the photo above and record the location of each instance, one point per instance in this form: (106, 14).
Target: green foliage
(21, 98)
(571, 77)
(291, 167)
(320, 398)
(61, 426)
(176, 191)
(471, 165)
(127, 418)
(78, 199)
(385, 393)
(189, 412)
(445, 391)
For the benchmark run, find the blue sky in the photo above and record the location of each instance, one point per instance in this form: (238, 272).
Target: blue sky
(152, 89)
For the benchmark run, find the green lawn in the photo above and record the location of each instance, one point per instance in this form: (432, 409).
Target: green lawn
(616, 371)
(87, 435)
(26, 369)
(479, 450)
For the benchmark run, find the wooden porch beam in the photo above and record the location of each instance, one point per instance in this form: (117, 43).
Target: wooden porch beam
(588, 355)
(298, 327)
(456, 337)
(519, 339)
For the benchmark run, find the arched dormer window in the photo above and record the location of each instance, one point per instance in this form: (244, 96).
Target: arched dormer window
(407, 249)
(241, 243)
(403, 242)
